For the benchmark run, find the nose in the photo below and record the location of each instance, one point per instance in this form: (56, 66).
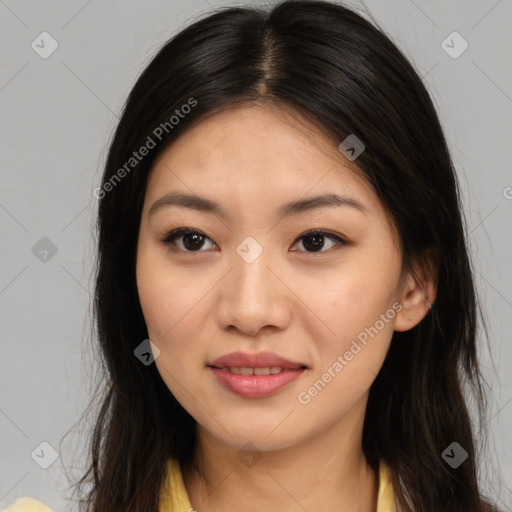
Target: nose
(253, 297)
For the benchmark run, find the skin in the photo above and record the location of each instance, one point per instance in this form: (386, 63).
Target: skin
(306, 306)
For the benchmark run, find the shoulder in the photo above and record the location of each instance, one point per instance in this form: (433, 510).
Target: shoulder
(27, 505)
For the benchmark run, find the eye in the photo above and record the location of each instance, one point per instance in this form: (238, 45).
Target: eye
(315, 240)
(193, 240)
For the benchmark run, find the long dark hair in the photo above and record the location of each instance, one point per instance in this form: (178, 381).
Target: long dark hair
(343, 73)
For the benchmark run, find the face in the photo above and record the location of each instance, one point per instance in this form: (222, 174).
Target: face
(318, 286)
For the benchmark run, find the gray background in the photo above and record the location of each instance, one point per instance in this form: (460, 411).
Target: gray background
(57, 115)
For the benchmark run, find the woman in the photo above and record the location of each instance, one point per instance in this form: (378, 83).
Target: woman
(280, 216)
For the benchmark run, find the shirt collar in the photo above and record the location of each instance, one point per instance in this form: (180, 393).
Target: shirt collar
(175, 498)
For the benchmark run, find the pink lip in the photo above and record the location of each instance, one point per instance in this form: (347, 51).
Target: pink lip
(256, 386)
(258, 360)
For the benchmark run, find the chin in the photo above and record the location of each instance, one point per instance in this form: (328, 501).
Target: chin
(260, 438)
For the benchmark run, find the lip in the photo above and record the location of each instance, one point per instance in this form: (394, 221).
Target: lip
(256, 386)
(257, 360)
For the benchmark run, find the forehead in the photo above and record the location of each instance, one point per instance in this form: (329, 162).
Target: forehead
(257, 153)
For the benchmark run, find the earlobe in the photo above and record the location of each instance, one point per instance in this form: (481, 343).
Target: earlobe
(417, 301)
(409, 318)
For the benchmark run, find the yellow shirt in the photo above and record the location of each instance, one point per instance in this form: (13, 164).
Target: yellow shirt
(27, 505)
(178, 500)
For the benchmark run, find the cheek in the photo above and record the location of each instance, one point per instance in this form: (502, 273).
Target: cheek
(167, 300)
(355, 307)
(348, 361)
(175, 304)
(166, 295)
(353, 300)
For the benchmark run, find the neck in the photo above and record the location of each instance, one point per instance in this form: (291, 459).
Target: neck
(328, 472)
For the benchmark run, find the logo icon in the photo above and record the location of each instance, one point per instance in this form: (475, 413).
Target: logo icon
(44, 455)
(147, 352)
(249, 249)
(44, 45)
(454, 455)
(44, 250)
(454, 45)
(351, 147)
(249, 455)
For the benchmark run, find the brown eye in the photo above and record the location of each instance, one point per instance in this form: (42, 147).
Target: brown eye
(313, 241)
(192, 240)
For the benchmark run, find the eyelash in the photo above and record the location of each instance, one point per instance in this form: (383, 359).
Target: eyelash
(176, 233)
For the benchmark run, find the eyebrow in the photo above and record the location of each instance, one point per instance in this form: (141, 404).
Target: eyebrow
(207, 205)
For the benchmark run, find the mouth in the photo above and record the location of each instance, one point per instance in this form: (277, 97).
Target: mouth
(256, 381)
(260, 370)
(255, 375)
(259, 363)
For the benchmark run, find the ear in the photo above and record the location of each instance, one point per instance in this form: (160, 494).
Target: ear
(417, 293)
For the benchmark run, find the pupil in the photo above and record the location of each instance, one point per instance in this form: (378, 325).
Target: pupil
(196, 238)
(317, 242)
